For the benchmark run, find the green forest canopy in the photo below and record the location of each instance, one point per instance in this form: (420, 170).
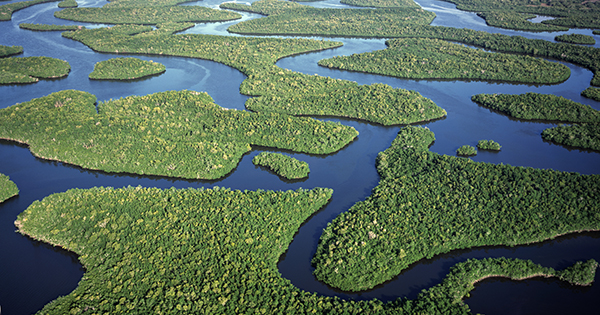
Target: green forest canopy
(49, 27)
(428, 204)
(7, 188)
(215, 251)
(283, 165)
(423, 58)
(536, 106)
(587, 57)
(176, 133)
(6, 10)
(30, 69)
(291, 18)
(275, 89)
(584, 136)
(125, 69)
(569, 13)
(6, 51)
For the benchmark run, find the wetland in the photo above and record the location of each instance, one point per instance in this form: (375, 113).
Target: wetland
(40, 273)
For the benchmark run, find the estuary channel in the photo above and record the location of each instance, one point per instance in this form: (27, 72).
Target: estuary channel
(34, 273)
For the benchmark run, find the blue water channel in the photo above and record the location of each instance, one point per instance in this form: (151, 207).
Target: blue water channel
(32, 273)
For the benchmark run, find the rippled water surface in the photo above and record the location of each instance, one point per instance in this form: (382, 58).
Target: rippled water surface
(32, 273)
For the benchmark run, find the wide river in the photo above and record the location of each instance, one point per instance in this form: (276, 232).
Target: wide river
(32, 273)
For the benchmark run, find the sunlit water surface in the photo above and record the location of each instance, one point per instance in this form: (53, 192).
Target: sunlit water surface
(34, 273)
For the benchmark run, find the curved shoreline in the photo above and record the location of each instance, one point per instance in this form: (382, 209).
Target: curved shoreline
(147, 176)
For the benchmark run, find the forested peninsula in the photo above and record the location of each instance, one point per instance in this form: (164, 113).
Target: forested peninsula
(215, 251)
(6, 51)
(283, 165)
(408, 26)
(16, 70)
(275, 89)
(48, 28)
(176, 133)
(8, 188)
(423, 58)
(568, 13)
(584, 133)
(535, 106)
(428, 204)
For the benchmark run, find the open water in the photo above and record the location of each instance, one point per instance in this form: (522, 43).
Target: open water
(32, 273)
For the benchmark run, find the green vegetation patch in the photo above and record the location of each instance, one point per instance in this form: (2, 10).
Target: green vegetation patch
(488, 145)
(169, 28)
(143, 3)
(517, 21)
(381, 3)
(428, 204)
(8, 188)
(125, 69)
(569, 13)
(146, 15)
(584, 136)
(587, 57)
(215, 251)
(277, 90)
(29, 69)
(6, 51)
(50, 27)
(283, 165)
(67, 4)
(535, 106)
(420, 58)
(462, 277)
(146, 250)
(581, 273)
(466, 150)
(576, 39)
(7, 10)
(295, 19)
(591, 92)
(393, 106)
(176, 133)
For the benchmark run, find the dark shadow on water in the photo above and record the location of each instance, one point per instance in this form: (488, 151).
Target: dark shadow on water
(96, 173)
(511, 118)
(287, 151)
(570, 148)
(141, 79)
(434, 80)
(57, 249)
(282, 257)
(443, 262)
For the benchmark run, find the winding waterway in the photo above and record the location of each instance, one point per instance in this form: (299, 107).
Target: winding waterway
(33, 273)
